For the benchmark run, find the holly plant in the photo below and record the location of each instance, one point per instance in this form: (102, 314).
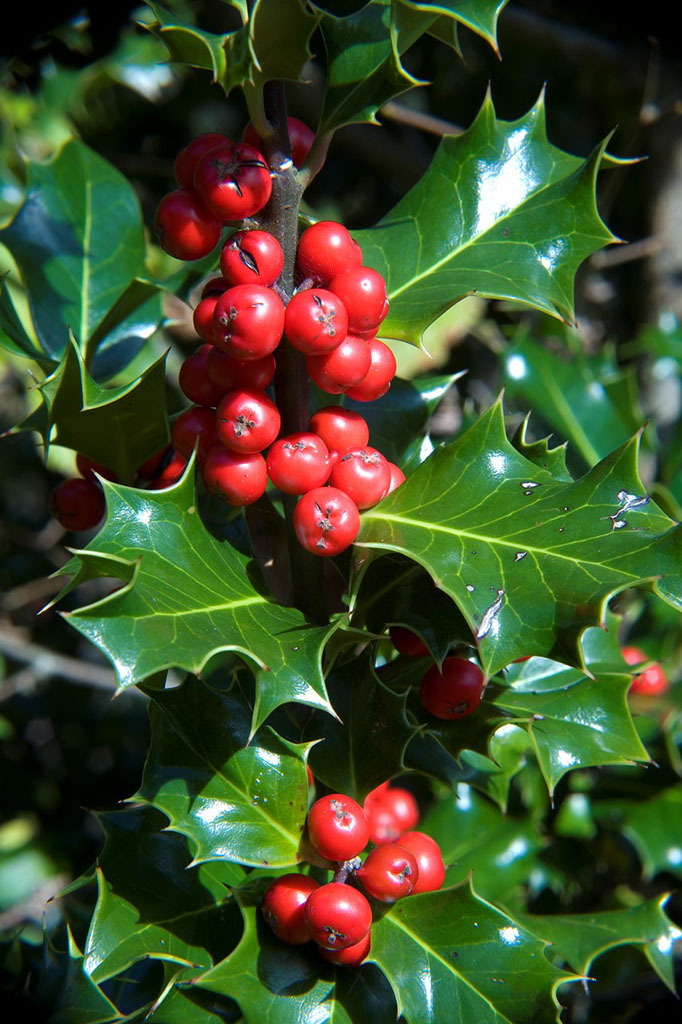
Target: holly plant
(390, 668)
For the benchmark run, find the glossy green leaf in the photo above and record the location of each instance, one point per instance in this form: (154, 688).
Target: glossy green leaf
(127, 326)
(478, 15)
(279, 39)
(151, 904)
(529, 560)
(13, 335)
(364, 69)
(65, 994)
(578, 939)
(574, 395)
(499, 212)
(398, 419)
(78, 243)
(235, 798)
(189, 597)
(191, 1005)
(654, 827)
(188, 44)
(364, 746)
(477, 838)
(553, 460)
(451, 952)
(119, 427)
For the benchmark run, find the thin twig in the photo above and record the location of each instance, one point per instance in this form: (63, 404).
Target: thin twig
(418, 119)
(45, 663)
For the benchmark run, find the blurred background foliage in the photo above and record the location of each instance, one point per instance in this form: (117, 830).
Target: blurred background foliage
(94, 73)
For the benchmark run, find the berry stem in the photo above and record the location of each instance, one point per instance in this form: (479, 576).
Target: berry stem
(292, 383)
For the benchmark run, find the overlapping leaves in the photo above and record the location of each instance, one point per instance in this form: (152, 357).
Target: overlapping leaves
(189, 597)
(499, 212)
(529, 560)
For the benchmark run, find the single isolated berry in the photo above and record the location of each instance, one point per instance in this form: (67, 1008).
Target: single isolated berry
(300, 136)
(426, 852)
(299, 462)
(406, 642)
(339, 428)
(283, 907)
(453, 693)
(363, 473)
(247, 420)
(184, 228)
(248, 321)
(325, 250)
(389, 872)
(337, 827)
(251, 257)
(338, 916)
(78, 504)
(315, 321)
(326, 521)
(233, 181)
(652, 680)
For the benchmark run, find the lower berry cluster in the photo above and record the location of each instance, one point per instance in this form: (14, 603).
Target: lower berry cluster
(337, 916)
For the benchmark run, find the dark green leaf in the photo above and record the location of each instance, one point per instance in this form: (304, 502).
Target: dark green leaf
(579, 939)
(499, 212)
(235, 799)
(150, 904)
(191, 1005)
(125, 329)
(654, 827)
(13, 336)
(553, 460)
(188, 598)
(78, 243)
(450, 951)
(66, 994)
(529, 560)
(188, 44)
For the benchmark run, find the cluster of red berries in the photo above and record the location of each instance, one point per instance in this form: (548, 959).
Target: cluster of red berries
(651, 680)
(338, 916)
(451, 692)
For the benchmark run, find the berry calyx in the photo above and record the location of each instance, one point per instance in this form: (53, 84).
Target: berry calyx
(426, 852)
(248, 321)
(77, 504)
(247, 420)
(339, 428)
(315, 321)
(251, 257)
(283, 907)
(453, 693)
(233, 181)
(298, 462)
(351, 956)
(326, 521)
(337, 827)
(389, 872)
(652, 680)
(338, 916)
(184, 228)
(363, 473)
(188, 158)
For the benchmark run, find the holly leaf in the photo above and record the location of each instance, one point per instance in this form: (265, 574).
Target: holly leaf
(235, 797)
(151, 904)
(553, 460)
(136, 316)
(499, 212)
(279, 39)
(78, 242)
(188, 597)
(653, 826)
(478, 15)
(118, 427)
(188, 44)
(364, 69)
(529, 560)
(450, 948)
(66, 993)
(574, 395)
(363, 747)
(476, 838)
(578, 939)
(190, 1005)
(13, 335)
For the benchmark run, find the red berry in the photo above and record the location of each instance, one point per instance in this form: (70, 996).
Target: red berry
(344, 366)
(351, 956)
(652, 680)
(202, 318)
(251, 257)
(337, 827)
(389, 872)
(339, 428)
(188, 158)
(406, 642)
(239, 477)
(326, 521)
(338, 916)
(455, 692)
(229, 373)
(378, 378)
(214, 286)
(390, 811)
(397, 477)
(283, 907)
(88, 467)
(315, 321)
(77, 504)
(233, 181)
(301, 136)
(247, 420)
(184, 229)
(194, 379)
(248, 321)
(363, 473)
(168, 471)
(426, 852)
(192, 424)
(298, 462)
(363, 293)
(325, 250)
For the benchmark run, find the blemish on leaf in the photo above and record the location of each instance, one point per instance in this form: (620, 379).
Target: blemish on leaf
(519, 555)
(470, 587)
(489, 615)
